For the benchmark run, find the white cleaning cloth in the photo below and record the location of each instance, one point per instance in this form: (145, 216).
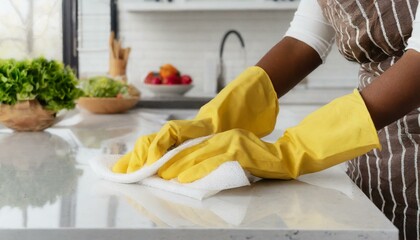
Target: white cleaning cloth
(175, 210)
(226, 176)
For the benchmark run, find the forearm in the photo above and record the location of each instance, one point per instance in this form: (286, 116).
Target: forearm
(396, 92)
(288, 63)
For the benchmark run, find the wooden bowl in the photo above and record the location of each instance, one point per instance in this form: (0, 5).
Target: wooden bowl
(107, 105)
(26, 116)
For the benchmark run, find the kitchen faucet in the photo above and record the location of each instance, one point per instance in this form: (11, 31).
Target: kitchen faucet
(221, 75)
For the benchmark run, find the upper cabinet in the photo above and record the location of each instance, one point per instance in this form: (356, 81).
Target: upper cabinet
(205, 5)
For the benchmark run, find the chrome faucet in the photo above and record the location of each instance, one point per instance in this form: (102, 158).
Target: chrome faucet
(221, 75)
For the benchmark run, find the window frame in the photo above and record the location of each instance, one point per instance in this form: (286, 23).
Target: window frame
(70, 45)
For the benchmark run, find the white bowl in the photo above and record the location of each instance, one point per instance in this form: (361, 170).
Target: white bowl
(166, 90)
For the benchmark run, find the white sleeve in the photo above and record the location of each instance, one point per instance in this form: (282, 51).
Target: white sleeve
(310, 26)
(414, 41)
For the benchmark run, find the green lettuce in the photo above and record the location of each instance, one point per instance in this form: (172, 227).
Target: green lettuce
(104, 87)
(54, 85)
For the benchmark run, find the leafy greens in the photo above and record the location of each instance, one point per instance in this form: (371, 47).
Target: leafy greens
(104, 87)
(48, 81)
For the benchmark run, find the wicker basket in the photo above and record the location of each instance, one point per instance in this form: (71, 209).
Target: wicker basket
(26, 116)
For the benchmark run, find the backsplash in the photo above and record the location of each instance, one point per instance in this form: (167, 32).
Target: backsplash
(191, 42)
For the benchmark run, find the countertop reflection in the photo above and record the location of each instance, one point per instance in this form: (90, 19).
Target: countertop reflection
(48, 191)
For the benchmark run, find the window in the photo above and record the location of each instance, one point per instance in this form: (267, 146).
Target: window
(31, 28)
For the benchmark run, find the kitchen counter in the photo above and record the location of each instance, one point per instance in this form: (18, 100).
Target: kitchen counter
(301, 96)
(48, 192)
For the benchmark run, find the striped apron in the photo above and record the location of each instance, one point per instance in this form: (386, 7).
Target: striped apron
(374, 33)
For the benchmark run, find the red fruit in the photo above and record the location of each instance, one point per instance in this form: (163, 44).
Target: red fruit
(150, 76)
(186, 79)
(170, 80)
(156, 80)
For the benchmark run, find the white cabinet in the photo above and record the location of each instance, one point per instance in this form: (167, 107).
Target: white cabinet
(205, 5)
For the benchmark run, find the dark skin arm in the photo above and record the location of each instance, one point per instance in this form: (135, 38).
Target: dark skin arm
(396, 92)
(391, 96)
(288, 63)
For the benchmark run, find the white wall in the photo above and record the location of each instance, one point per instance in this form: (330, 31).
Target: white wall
(94, 26)
(191, 40)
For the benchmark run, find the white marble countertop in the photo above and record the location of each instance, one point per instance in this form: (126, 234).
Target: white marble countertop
(48, 192)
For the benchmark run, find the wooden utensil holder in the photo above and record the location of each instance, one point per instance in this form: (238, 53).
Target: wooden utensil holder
(118, 58)
(117, 67)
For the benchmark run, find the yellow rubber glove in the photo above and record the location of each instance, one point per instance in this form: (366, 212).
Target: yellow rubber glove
(339, 131)
(248, 102)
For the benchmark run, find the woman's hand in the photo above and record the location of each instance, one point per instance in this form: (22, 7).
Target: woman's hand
(339, 131)
(249, 102)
